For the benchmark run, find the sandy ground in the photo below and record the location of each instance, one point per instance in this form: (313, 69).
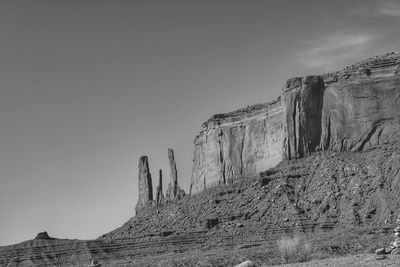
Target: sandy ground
(362, 260)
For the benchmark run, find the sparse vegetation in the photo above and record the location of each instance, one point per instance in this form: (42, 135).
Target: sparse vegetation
(294, 249)
(381, 242)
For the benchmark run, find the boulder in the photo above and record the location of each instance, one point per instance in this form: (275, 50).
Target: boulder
(94, 263)
(380, 251)
(246, 264)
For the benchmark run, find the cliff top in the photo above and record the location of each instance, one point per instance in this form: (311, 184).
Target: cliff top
(363, 66)
(381, 61)
(246, 111)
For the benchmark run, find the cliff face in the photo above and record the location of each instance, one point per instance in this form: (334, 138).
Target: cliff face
(355, 109)
(351, 110)
(238, 144)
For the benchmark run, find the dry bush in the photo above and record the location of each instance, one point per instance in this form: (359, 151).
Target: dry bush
(294, 249)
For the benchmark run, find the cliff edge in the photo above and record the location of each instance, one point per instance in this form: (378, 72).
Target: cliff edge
(354, 109)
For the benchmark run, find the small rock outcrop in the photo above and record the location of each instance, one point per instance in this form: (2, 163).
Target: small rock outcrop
(394, 247)
(173, 190)
(396, 242)
(43, 236)
(159, 191)
(145, 184)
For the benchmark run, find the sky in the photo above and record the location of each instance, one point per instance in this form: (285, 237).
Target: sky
(87, 87)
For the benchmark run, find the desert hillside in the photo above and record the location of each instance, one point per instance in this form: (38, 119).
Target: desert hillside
(321, 163)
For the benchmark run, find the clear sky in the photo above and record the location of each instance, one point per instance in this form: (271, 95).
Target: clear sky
(87, 87)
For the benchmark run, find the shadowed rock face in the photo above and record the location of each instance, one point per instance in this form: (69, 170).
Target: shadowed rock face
(145, 184)
(302, 113)
(159, 192)
(355, 109)
(43, 236)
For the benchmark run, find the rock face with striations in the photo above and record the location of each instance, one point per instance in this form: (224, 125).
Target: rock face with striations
(237, 144)
(159, 191)
(173, 190)
(145, 184)
(355, 109)
(352, 110)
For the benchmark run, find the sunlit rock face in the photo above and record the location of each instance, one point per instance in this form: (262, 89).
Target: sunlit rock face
(355, 109)
(144, 184)
(174, 192)
(237, 145)
(351, 110)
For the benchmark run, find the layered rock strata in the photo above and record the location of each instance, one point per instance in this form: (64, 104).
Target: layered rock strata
(145, 184)
(237, 144)
(355, 109)
(350, 111)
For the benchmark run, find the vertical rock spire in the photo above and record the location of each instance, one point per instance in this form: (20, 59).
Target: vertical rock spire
(174, 174)
(173, 191)
(159, 191)
(145, 184)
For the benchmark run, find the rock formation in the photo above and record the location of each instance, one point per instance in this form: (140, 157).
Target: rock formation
(43, 236)
(173, 186)
(237, 144)
(394, 247)
(145, 184)
(159, 192)
(174, 192)
(341, 112)
(355, 109)
(345, 201)
(94, 263)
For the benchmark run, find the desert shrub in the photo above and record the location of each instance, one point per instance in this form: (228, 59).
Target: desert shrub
(294, 249)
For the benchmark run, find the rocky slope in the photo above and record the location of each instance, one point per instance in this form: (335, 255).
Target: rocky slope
(351, 110)
(322, 162)
(345, 202)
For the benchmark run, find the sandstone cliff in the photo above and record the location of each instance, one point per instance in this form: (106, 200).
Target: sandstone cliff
(355, 109)
(346, 201)
(238, 144)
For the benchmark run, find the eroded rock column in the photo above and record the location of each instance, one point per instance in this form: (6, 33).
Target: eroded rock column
(173, 191)
(159, 192)
(145, 184)
(302, 107)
